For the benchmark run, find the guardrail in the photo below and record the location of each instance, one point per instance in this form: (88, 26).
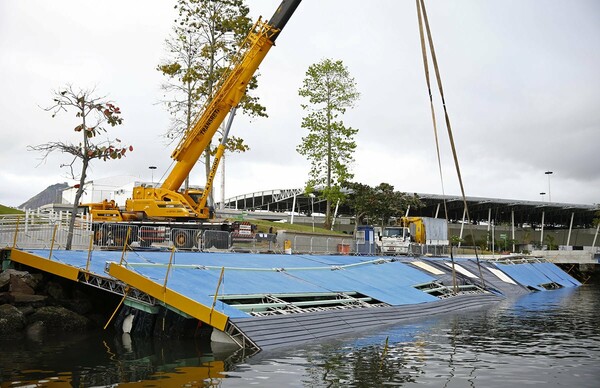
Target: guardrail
(43, 231)
(110, 235)
(322, 245)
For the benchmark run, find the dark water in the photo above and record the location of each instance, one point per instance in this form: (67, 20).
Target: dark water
(549, 339)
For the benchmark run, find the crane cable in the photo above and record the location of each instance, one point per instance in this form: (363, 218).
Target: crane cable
(435, 132)
(422, 16)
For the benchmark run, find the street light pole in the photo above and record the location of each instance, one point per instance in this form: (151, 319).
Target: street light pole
(549, 193)
(312, 211)
(152, 168)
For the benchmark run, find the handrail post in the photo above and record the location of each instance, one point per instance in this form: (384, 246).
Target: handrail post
(169, 267)
(125, 245)
(118, 306)
(52, 243)
(16, 233)
(89, 258)
(216, 294)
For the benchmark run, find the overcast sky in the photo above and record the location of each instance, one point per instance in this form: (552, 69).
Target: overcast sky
(521, 80)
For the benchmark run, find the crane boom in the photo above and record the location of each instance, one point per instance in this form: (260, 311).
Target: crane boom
(229, 93)
(166, 201)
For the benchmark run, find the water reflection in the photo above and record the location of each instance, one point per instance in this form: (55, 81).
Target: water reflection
(550, 338)
(100, 360)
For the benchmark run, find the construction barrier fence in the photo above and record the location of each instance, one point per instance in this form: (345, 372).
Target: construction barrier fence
(50, 230)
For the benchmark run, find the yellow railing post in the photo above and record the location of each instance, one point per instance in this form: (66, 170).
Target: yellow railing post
(125, 245)
(216, 294)
(52, 242)
(169, 267)
(89, 259)
(16, 233)
(164, 297)
(117, 309)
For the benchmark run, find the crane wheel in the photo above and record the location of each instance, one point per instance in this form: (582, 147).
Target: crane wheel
(183, 239)
(119, 234)
(99, 237)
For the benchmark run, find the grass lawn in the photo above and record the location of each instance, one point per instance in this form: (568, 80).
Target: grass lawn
(9, 210)
(264, 226)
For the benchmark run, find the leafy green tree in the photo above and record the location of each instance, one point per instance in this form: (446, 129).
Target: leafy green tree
(329, 145)
(204, 40)
(550, 240)
(360, 199)
(389, 203)
(93, 114)
(380, 203)
(455, 240)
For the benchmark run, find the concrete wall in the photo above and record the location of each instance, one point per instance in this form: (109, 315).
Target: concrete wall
(569, 257)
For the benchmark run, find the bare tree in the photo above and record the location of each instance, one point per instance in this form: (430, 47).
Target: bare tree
(93, 115)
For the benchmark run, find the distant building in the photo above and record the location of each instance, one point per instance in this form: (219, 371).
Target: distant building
(117, 188)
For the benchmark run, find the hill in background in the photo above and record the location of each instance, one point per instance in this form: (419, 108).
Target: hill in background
(52, 194)
(9, 210)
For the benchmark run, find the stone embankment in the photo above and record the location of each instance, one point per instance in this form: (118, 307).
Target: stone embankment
(34, 305)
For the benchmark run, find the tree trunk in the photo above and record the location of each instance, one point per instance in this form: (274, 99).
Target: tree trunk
(328, 220)
(188, 125)
(84, 165)
(76, 204)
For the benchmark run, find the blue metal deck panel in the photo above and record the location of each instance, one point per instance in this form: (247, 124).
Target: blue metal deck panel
(249, 260)
(541, 275)
(412, 274)
(395, 276)
(525, 274)
(77, 259)
(367, 282)
(342, 259)
(200, 285)
(558, 275)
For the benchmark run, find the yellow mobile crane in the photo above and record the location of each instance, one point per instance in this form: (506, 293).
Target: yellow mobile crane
(167, 203)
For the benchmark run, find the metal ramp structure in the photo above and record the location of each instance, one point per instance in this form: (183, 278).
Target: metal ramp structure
(262, 301)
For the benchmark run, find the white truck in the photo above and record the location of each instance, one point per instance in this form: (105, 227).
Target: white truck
(392, 240)
(418, 231)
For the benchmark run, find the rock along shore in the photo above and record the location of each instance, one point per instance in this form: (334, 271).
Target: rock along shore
(33, 305)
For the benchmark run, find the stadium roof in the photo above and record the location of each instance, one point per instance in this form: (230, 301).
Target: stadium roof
(480, 209)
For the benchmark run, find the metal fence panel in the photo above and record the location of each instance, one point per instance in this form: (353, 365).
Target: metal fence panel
(43, 230)
(183, 238)
(322, 245)
(114, 234)
(259, 242)
(216, 240)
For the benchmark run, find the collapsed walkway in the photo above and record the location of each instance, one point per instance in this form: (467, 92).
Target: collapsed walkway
(269, 300)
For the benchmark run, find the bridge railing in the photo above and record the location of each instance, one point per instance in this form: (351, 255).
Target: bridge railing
(43, 231)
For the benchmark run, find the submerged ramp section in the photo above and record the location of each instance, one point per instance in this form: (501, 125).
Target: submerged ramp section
(184, 303)
(281, 300)
(295, 329)
(538, 276)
